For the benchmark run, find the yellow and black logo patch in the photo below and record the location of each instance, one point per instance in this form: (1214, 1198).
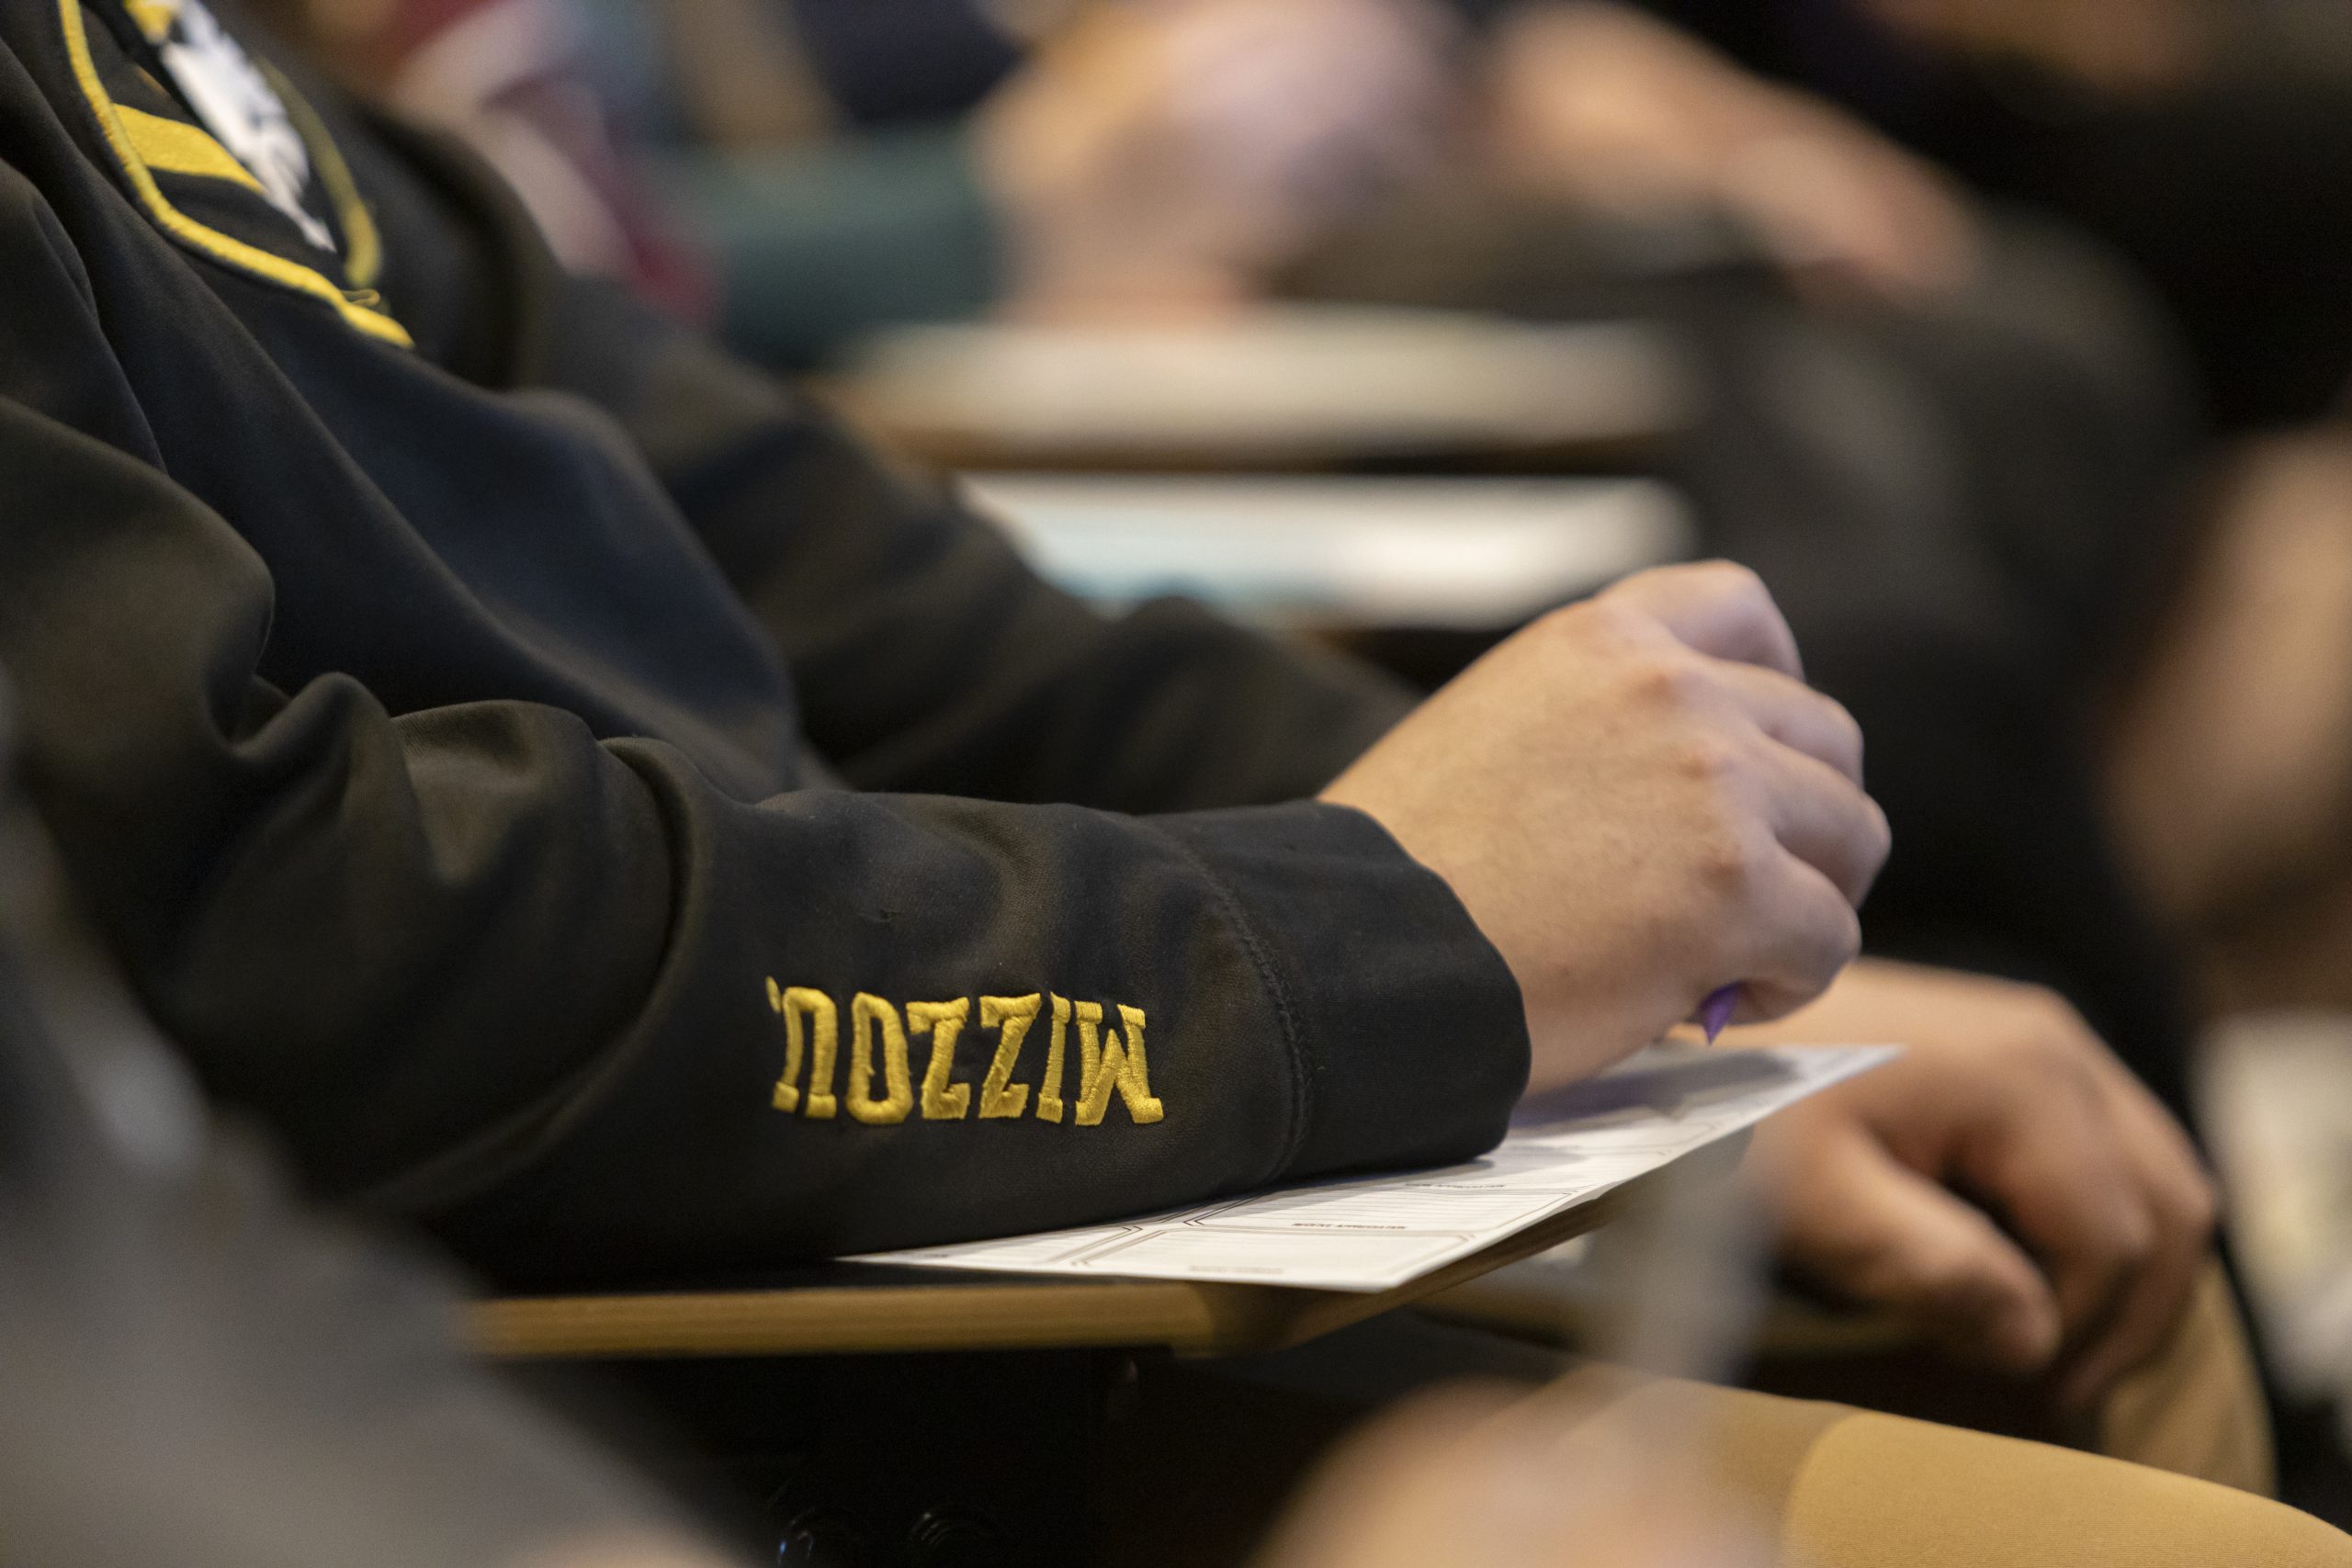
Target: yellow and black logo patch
(1109, 1060)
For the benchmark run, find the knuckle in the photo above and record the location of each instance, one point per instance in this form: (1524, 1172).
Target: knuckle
(1842, 943)
(1730, 577)
(2054, 1018)
(1656, 675)
(1816, 949)
(2197, 1207)
(1630, 596)
(1941, 1279)
(2134, 1243)
(1742, 587)
(1848, 729)
(2116, 1232)
(1573, 620)
(1709, 760)
(1819, 951)
(1599, 627)
(1654, 686)
(1950, 1283)
(1724, 864)
(2048, 1033)
(1846, 745)
(2049, 1051)
(1878, 835)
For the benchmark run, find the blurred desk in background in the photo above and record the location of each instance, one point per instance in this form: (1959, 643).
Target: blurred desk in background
(1340, 554)
(1276, 388)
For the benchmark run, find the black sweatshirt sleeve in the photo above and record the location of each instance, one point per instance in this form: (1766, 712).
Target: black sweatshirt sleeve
(596, 1020)
(927, 656)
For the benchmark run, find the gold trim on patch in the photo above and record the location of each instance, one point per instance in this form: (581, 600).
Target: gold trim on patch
(176, 147)
(155, 17)
(363, 247)
(113, 126)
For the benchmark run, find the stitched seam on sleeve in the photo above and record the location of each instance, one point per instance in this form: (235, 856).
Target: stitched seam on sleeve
(1285, 1015)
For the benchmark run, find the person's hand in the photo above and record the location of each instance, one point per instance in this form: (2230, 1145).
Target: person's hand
(1601, 105)
(2085, 1217)
(1480, 1479)
(1639, 800)
(1166, 152)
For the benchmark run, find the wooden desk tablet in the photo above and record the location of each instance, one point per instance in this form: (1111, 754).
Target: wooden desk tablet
(859, 1308)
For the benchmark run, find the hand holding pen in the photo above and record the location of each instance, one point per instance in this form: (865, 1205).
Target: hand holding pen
(1635, 799)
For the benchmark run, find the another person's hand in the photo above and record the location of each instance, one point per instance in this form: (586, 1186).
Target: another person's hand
(1473, 1478)
(1165, 153)
(2008, 1184)
(1639, 800)
(1604, 105)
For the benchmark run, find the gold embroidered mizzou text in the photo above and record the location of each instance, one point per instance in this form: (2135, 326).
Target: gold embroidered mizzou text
(1108, 1059)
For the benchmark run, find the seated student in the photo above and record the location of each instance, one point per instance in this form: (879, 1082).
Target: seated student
(449, 683)
(199, 1372)
(509, 745)
(1949, 442)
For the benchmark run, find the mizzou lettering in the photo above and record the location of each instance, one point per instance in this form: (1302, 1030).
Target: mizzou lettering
(876, 1083)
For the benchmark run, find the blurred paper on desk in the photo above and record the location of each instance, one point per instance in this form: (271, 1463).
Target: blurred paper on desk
(1378, 1232)
(1471, 555)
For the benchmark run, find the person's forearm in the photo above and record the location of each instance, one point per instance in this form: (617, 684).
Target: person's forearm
(926, 655)
(591, 1016)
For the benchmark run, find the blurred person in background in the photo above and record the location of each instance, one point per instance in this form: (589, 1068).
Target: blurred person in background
(847, 166)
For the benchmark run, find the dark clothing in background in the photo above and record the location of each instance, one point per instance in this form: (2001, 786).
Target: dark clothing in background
(900, 61)
(885, 62)
(488, 756)
(1962, 513)
(2231, 195)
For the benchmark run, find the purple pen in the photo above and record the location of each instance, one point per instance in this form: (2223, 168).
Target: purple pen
(1714, 1013)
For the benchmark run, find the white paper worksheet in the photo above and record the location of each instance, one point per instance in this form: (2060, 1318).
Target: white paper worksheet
(1376, 1233)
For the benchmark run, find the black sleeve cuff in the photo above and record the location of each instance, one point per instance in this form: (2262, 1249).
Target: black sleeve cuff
(1406, 1029)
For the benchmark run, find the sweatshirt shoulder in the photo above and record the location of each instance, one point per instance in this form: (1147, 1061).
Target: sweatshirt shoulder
(39, 261)
(39, 157)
